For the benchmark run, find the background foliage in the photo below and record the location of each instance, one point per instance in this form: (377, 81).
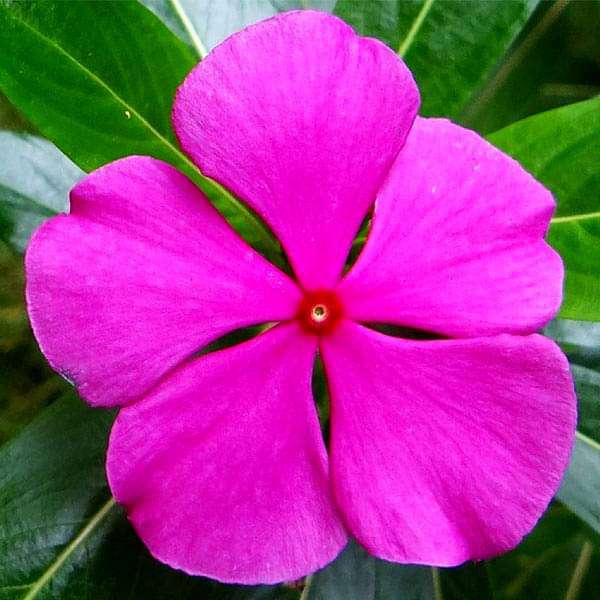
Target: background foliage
(86, 82)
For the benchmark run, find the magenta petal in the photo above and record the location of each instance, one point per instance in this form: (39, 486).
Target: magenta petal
(447, 450)
(302, 119)
(223, 469)
(141, 274)
(457, 241)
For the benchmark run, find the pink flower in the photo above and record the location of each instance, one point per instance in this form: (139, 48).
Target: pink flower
(442, 450)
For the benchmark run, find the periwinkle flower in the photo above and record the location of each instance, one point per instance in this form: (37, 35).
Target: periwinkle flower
(441, 450)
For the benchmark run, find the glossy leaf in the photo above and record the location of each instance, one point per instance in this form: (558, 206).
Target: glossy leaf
(98, 79)
(560, 148)
(355, 575)
(62, 536)
(451, 46)
(35, 179)
(203, 24)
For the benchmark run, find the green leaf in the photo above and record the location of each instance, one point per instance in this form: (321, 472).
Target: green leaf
(355, 575)
(451, 46)
(98, 80)
(560, 148)
(61, 534)
(203, 24)
(35, 179)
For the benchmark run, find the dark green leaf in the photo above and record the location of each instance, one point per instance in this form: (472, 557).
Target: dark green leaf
(98, 79)
(450, 45)
(61, 535)
(560, 148)
(552, 63)
(355, 575)
(9, 117)
(468, 582)
(203, 24)
(35, 179)
(555, 562)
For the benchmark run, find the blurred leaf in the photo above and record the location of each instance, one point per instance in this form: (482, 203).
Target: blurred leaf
(580, 340)
(560, 148)
(587, 384)
(580, 489)
(203, 24)
(35, 179)
(98, 79)
(355, 575)
(450, 45)
(62, 536)
(27, 384)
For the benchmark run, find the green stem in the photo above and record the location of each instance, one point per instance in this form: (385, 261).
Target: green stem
(581, 569)
(437, 584)
(307, 584)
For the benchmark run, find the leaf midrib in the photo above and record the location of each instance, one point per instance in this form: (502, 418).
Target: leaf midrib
(575, 217)
(415, 28)
(216, 187)
(189, 28)
(587, 440)
(38, 585)
(133, 111)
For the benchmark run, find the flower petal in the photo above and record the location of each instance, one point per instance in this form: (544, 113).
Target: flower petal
(302, 119)
(447, 450)
(141, 274)
(223, 469)
(457, 243)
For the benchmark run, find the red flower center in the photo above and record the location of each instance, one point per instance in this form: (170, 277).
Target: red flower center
(319, 311)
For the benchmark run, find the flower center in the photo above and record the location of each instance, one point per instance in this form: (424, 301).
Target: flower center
(319, 311)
